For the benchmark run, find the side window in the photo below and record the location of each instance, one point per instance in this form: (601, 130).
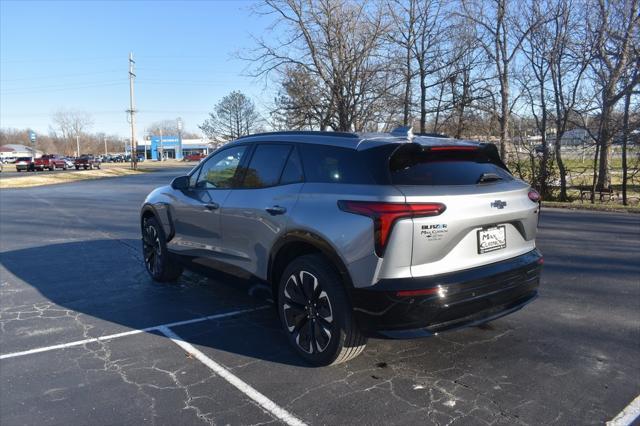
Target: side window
(219, 170)
(330, 164)
(292, 170)
(266, 166)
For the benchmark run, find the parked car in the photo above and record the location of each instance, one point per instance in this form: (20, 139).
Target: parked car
(24, 164)
(50, 162)
(86, 162)
(394, 236)
(70, 162)
(194, 157)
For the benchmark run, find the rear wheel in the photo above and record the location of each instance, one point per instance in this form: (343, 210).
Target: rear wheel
(316, 314)
(157, 260)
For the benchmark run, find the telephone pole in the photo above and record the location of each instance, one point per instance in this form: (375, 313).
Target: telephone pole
(132, 113)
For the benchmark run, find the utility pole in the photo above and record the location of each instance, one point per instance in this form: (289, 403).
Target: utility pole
(132, 113)
(179, 150)
(77, 145)
(105, 145)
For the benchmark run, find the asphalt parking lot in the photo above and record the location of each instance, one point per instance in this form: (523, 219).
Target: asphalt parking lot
(205, 351)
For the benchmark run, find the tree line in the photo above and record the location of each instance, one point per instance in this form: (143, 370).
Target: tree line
(468, 68)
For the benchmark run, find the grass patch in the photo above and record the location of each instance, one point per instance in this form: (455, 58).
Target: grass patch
(40, 179)
(603, 207)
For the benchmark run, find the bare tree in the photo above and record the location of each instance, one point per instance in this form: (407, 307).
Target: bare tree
(430, 30)
(164, 127)
(404, 15)
(500, 34)
(339, 44)
(70, 125)
(234, 116)
(615, 40)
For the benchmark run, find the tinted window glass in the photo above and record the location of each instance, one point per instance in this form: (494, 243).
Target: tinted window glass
(444, 167)
(292, 170)
(266, 166)
(331, 164)
(219, 170)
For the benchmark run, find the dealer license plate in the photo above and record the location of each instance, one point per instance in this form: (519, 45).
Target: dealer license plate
(492, 239)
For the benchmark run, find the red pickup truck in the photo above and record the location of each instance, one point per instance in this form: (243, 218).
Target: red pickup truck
(87, 162)
(50, 162)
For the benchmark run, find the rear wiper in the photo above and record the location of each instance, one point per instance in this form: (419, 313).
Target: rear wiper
(488, 177)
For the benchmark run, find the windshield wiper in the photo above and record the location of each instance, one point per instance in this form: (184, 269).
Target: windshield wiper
(488, 177)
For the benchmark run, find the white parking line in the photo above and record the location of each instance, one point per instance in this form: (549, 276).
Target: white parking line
(628, 415)
(129, 333)
(242, 386)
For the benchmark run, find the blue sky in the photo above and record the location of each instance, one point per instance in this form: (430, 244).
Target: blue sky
(74, 55)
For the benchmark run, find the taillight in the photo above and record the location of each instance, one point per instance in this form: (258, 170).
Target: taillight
(384, 216)
(534, 196)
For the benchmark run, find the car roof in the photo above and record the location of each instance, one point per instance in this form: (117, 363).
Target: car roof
(358, 141)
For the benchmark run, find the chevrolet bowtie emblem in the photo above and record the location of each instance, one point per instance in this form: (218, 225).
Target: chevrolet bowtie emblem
(499, 204)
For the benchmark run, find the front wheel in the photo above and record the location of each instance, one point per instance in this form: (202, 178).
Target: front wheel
(157, 260)
(316, 314)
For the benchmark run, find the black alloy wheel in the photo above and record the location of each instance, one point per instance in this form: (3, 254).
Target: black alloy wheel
(307, 312)
(157, 260)
(315, 312)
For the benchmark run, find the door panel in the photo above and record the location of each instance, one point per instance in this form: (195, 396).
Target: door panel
(197, 223)
(254, 216)
(252, 221)
(196, 211)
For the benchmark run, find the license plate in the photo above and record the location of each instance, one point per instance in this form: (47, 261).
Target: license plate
(492, 239)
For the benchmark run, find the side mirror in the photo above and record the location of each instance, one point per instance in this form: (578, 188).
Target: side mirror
(181, 183)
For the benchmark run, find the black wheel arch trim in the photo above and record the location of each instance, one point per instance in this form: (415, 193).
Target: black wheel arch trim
(324, 247)
(167, 224)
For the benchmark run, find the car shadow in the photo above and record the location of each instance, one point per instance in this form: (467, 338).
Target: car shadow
(105, 280)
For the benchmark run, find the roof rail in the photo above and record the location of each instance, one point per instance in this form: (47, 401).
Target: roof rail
(304, 133)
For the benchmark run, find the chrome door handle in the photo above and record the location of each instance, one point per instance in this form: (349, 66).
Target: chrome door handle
(212, 206)
(275, 210)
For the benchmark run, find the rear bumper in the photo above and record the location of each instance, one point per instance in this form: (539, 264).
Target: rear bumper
(460, 299)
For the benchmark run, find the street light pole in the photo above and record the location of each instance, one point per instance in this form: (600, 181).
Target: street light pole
(77, 145)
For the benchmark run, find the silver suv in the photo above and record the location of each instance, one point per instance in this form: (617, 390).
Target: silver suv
(383, 235)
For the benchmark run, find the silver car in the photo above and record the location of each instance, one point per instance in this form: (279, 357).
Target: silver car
(381, 235)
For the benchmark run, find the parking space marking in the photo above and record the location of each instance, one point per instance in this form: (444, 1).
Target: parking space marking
(628, 415)
(131, 332)
(242, 386)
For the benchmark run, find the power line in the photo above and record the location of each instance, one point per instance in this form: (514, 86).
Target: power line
(58, 88)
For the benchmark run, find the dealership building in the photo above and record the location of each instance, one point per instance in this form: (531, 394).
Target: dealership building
(166, 147)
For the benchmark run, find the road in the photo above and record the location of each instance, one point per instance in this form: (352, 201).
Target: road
(71, 270)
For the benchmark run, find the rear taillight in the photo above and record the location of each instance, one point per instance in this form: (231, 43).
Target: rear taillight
(384, 215)
(534, 196)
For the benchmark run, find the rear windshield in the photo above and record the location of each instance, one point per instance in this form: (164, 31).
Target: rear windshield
(415, 165)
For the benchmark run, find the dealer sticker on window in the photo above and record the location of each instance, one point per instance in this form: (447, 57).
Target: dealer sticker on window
(492, 239)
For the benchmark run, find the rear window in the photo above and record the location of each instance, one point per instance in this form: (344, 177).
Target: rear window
(330, 164)
(414, 165)
(266, 166)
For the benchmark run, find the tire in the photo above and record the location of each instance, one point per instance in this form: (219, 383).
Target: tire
(77, 167)
(157, 259)
(52, 169)
(98, 166)
(321, 328)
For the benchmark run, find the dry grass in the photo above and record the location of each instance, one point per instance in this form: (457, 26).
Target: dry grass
(39, 179)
